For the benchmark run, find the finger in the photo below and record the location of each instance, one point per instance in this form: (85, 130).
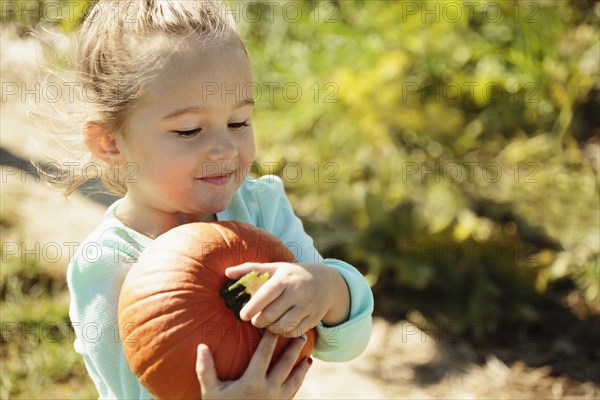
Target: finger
(268, 293)
(240, 270)
(205, 369)
(281, 370)
(259, 363)
(286, 328)
(294, 381)
(273, 313)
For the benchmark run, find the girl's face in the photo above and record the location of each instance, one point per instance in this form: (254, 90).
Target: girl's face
(190, 139)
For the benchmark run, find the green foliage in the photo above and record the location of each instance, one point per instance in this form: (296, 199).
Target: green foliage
(454, 160)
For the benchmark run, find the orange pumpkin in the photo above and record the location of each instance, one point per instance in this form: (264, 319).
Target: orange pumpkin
(170, 303)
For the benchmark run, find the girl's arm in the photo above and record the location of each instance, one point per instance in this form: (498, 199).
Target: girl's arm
(347, 340)
(266, 205)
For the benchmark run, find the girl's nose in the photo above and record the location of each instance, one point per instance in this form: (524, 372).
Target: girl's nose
(222, 147)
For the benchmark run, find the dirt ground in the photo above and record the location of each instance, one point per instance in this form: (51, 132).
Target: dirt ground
(401, 361)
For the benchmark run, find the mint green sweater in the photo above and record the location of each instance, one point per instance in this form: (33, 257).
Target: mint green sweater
(97, 271)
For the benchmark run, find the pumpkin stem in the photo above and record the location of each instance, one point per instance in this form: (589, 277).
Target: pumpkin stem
(237, 293)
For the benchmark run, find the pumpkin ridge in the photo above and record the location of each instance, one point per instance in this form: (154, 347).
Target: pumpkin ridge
(140, 319)
(241, 345)
(200, 300)
(201, 268)
(175, 333)
(219, 227)
(174, 293)
(225, 232)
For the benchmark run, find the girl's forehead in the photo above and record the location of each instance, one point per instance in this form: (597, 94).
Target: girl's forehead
(208, 63)
(162, 52)
(201, 68)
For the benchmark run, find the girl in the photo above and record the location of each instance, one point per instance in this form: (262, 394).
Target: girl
(178, 151)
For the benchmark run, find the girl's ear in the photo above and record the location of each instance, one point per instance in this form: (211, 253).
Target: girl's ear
(102, 143)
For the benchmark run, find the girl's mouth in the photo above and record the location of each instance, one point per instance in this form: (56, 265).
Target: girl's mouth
(221, 179)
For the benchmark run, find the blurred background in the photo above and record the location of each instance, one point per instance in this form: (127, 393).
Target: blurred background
(450, 150)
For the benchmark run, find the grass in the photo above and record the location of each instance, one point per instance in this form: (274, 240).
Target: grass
(37, 356)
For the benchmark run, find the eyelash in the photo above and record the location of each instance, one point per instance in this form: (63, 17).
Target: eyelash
(234, 125)
(189, 133)
(238, 125)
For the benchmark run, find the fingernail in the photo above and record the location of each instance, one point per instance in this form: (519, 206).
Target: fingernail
(304, 338)
(309, 360)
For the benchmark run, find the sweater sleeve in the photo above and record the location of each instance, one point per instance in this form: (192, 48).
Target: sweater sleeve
(95, 276)
(334, 343)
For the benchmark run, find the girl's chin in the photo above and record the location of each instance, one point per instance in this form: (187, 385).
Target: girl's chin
(213, 207)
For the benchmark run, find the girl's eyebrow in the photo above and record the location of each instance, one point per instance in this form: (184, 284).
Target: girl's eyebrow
(200, 108)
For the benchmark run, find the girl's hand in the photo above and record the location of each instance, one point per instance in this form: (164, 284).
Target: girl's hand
(295, 298)
(281, 382)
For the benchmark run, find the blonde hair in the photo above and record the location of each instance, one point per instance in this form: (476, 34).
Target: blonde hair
(111, 66)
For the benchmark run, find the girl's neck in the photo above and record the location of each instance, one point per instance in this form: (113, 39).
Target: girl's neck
(154, 222)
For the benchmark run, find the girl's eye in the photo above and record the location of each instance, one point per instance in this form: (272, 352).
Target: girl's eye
(189, 133)
(238, 125)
